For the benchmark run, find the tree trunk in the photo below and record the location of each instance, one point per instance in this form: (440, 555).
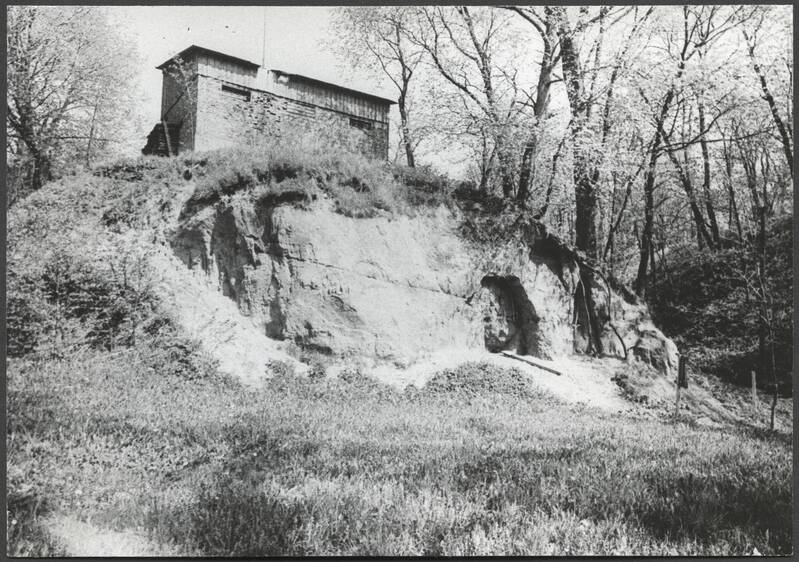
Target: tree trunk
(774, 378)
(688, 187)
(585, 196)
(734, 214)
(539, 110)
(406, 135)
(486, 164)
(91, 135)
(585, 211)
(613, 224)
(526, 170)
(761, 273)
(649, 183)
(649, 216)
(583, 174)
(506, 176)
(711, 214)
(41, 169)
(585, 299)
(654, 266)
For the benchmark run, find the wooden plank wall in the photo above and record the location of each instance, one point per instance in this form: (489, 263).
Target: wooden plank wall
(331, 98)
(226, 70)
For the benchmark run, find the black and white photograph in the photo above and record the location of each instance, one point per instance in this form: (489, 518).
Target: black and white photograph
(399, 280)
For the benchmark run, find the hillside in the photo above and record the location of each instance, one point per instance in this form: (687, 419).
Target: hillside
(290, 353)
(305, 246)
(704, 302)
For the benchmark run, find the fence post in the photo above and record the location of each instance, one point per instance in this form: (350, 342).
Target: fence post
(682, 381)
(754, 392)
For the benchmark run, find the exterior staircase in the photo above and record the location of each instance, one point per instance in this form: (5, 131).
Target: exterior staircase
(163, 140)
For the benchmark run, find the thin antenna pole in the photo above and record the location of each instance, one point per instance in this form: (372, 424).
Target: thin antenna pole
(263, 43)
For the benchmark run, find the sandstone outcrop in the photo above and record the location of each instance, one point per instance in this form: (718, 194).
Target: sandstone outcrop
(395, 287)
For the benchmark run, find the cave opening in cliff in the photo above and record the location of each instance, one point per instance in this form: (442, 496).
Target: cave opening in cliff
(510, 321)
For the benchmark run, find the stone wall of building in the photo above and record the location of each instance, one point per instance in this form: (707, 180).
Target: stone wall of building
(229, 114)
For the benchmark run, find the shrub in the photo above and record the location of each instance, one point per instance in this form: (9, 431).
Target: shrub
(494, 229)
(148, 169)
(80, 286)
(423, 186)
(317, 361)
(295, 191)
(363, 203)
(634, 380)
(483, 378)
(26, 314)
(170, 353)
(280, 369)
(472, 198)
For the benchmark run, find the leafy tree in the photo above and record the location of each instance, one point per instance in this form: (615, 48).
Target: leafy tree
(544, 25)
(470, 50)
(69, 84)
(760, 19)
(377, 38)
(687, 98)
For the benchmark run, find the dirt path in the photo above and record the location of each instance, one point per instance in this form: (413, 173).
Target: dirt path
(84, 539)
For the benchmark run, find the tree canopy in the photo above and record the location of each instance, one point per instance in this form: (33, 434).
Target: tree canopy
(70, 82)
(633, 132)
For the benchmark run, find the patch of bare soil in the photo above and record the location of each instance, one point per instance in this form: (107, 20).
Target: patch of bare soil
(84, 539)
(610, 385)
(583, 380)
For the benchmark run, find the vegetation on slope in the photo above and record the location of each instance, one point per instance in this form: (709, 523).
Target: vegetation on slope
(707, 302)
(300, 172)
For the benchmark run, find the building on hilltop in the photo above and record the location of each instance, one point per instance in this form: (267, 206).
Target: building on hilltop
(212, 100)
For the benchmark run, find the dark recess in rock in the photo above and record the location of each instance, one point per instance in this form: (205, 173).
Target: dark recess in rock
(513, 323)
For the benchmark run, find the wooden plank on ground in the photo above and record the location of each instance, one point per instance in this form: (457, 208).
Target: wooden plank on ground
(529, 361)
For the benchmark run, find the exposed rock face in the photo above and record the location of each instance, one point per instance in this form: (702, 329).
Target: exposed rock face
(628, 331)
(654, 348)
(385, 287)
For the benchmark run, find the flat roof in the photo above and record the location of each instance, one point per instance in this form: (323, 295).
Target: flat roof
(194, 49)
(332, 85)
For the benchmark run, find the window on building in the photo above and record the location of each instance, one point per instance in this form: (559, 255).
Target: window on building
(244, 94)
(362, 124)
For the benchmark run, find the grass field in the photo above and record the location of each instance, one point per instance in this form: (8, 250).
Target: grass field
(478, 463)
